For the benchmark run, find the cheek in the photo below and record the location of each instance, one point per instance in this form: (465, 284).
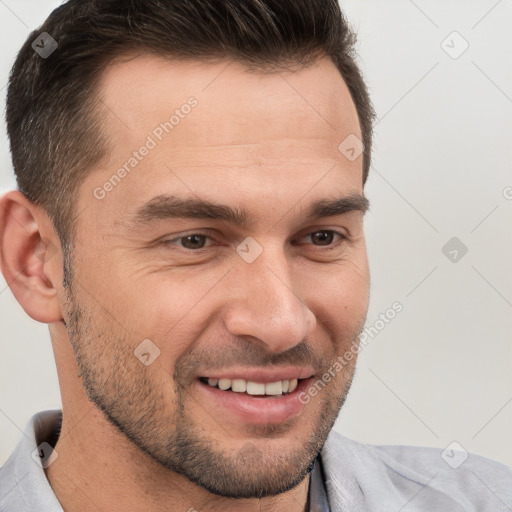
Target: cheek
(339, 298)
(170, 309)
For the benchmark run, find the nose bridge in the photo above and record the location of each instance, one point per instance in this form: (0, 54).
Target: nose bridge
(265, 304)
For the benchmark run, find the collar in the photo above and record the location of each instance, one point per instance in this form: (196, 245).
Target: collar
(23, 483)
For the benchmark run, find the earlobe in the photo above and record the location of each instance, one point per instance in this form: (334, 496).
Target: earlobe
(29, 256)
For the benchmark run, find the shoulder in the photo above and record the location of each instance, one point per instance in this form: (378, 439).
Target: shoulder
(439, 478)
(23, 483)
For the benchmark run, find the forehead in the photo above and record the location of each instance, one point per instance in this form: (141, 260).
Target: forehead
(213, 124)
(146, 87)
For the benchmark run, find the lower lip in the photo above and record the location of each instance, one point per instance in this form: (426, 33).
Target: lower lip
(259, 409)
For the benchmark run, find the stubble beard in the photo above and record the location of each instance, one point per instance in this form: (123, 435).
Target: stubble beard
(131, 402)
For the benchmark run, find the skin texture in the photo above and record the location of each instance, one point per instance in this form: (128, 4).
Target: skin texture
(137, 437)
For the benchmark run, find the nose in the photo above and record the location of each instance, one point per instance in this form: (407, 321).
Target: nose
(265, 304)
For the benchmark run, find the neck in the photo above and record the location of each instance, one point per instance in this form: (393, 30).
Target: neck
(100, 469)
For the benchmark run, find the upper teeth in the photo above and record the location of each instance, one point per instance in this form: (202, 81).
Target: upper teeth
(255, 388)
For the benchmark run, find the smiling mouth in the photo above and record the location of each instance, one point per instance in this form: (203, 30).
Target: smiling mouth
(278, 388)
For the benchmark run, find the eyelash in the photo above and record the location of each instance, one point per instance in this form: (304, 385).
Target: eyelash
(202, 249)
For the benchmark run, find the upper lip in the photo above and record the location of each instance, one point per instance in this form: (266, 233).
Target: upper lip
(263, 375)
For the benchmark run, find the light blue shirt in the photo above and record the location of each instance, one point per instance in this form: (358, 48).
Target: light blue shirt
(348, 477)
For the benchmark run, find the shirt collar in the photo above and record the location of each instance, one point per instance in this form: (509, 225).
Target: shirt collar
(23, 483)
(318, 501)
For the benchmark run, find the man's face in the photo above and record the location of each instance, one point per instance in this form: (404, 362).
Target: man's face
(278, 306)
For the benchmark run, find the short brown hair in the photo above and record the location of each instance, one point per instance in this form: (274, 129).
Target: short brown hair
(53, 117)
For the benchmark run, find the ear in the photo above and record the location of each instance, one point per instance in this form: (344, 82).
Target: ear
(30, 253)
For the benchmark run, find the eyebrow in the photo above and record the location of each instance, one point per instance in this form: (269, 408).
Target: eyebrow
(167, 206)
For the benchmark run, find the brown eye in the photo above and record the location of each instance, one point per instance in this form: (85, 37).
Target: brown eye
(322, 237)
(194, 241)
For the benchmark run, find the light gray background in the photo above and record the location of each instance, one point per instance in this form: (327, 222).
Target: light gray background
(441, 370)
